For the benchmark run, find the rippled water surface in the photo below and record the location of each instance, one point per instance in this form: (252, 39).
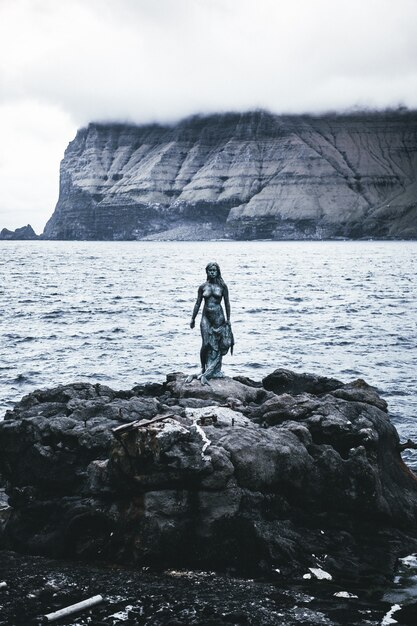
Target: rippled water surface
(119, 312)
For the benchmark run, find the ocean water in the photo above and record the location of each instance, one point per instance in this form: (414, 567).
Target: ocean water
(118, 313)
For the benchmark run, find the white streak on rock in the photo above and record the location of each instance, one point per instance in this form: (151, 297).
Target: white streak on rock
(387, 619)
(206, 440)
(410, 560)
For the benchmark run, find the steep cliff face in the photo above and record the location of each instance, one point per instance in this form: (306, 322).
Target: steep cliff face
(243, 176)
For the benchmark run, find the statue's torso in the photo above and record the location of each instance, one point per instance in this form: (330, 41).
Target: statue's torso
(212, 295)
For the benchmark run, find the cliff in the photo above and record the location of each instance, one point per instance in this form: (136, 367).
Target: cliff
(298, 474)
(242, 176)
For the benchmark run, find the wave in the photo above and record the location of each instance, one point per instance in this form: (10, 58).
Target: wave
(21, 379)
(53, 314)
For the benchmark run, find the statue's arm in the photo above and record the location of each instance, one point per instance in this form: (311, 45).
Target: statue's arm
(226, 302)
(197, 306)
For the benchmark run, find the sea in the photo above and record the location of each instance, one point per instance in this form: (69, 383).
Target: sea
(118, 313)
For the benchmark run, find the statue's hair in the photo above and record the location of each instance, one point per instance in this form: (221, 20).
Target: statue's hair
(219, 279)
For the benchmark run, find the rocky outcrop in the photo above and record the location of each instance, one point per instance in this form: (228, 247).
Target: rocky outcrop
(242, 176)
(25, 232)
(225, 475)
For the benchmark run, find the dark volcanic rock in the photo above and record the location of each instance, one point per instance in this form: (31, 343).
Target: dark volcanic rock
(244, 176)
(25, 232)
(223, 475)
(142, 597)
(285, 381)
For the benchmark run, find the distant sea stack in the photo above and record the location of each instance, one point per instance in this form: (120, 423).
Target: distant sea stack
(25, 232)
(242, 176)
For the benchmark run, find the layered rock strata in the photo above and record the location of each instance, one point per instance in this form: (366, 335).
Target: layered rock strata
(230, 475)
(242, 176)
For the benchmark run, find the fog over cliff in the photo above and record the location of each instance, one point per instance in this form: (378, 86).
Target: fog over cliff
(242, 176)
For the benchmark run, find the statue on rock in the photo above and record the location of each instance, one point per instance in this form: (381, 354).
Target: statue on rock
(216, 331)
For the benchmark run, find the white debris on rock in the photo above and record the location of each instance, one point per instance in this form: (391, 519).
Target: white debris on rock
(122, 615)
(225, 416)
(169, 427)
(320, 574)
(344, 594)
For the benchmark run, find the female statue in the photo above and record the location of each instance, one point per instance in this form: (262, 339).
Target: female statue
(216, 332)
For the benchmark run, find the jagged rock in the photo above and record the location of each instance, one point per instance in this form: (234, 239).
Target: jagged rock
(243, 176)
(285, 381)
(248, 381)
(283, 407)
(25, 232)
(252, 480)
(64, 429)
(360, 391)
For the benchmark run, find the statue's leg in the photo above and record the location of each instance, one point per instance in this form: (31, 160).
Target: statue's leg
(217, 372)
(203, 357)
(213, 365)
(205, 342)
(210, 353)
(204, 351)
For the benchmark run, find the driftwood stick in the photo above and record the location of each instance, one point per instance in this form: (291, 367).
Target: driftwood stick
(139, 424)
(408, 445)
(73, 608)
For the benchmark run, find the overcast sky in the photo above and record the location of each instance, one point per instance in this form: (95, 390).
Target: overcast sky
(64, 63)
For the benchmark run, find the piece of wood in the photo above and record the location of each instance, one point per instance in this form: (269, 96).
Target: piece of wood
(139, 424)
(74, 608)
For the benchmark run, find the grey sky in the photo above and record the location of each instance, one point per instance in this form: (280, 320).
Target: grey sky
(64, 63)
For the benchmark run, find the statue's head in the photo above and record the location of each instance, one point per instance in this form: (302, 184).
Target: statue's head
(213, 271)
